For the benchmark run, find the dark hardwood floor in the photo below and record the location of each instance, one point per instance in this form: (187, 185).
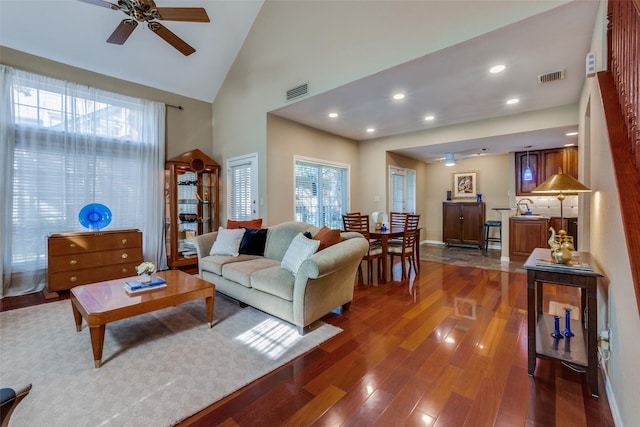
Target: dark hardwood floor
(447, 348)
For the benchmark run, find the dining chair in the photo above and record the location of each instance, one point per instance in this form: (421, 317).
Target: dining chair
(360, 224)
(406, 249)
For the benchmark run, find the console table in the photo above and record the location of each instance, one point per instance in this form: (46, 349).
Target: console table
(580, 349)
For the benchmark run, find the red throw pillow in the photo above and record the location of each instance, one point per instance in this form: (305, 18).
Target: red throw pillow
(327, 237)
(252, 223)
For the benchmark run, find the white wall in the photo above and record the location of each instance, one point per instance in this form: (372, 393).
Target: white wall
(617, 309)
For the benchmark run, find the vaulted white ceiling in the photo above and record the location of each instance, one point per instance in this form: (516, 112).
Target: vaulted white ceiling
(75, 33)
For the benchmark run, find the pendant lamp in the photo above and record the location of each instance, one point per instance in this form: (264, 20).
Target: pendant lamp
(527, 173)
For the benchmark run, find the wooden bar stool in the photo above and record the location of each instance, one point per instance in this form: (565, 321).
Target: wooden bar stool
(488, 226)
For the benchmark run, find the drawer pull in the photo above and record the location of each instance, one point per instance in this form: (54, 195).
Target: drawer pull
(124, 241)
(124, 256)
(73, 262)
(72, 245)
(124, 270)
(73, 279)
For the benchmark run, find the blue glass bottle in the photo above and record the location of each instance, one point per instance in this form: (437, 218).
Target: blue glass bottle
(556, 333)
(567, 323)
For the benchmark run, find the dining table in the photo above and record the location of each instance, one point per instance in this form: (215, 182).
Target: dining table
(384, 236)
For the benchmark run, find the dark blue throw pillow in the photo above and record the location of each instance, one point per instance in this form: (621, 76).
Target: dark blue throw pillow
(253, 241)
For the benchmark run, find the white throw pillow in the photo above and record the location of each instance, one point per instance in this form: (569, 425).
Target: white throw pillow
(300, 248)
(227, 242)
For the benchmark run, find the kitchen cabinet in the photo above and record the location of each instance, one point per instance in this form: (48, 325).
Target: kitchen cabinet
(192, 186)
(525, 235)
(87, 257)
(544, 164)
(463, 223)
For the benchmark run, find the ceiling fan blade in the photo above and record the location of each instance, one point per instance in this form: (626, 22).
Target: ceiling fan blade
(171, 38)
(191, 14)
(122, 32)
(102, 3)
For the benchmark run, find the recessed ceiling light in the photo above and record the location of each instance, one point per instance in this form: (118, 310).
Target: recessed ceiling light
(398, 96)
(333, 115)
(370, 130)
(497, 69)
(512, 101)
(571, 133)
(429, 118)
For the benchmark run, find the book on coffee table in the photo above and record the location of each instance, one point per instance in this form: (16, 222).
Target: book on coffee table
(137, 286)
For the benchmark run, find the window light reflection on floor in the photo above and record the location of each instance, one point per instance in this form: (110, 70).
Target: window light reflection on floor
(270, 337)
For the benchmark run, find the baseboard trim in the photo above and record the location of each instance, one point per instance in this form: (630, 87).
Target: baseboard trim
(615, 413)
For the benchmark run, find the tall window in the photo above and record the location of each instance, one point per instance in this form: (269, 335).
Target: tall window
(321, 192)
(242, 187)
(403, 189)
(65, 145)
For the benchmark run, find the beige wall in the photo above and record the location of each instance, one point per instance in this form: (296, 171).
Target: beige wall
(493, 182)
(286, 139)
(292, 43)
(187, 129)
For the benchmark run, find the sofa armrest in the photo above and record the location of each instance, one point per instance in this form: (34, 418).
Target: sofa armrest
(326, 280)
(334, 257)
(204, 242)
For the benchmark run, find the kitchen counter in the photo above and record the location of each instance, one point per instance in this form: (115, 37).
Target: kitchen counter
(529, 217)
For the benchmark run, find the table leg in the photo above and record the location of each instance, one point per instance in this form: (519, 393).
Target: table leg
(77, 317)
(385, 252)
(97, 343)
(210, 301)
(592, 336)
(417, 249)
(539, 297)
(532, 320)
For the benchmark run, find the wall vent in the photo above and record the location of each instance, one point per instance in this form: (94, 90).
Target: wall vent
(551, 77)
(297, 92)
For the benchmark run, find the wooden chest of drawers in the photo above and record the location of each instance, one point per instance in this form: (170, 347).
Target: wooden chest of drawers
(88, 257)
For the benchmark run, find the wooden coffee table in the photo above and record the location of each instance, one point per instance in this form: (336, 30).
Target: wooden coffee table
(104, 302)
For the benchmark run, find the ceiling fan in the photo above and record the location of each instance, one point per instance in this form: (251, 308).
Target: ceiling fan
(147, 11)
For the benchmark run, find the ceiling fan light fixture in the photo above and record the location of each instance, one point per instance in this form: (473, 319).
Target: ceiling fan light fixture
(449, 159)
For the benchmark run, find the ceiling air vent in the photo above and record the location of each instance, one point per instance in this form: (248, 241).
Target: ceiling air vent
(551, 77)
(297, 92)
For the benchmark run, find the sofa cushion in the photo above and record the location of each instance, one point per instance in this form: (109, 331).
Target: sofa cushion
(280, 236)
(299, 250)
(327, 237)
(274, 281)
(214, 263)
(241, 272)
(227, 242)
(253, 241)
(251, 223)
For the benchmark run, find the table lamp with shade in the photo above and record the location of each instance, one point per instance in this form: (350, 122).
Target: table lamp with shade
(561, 184)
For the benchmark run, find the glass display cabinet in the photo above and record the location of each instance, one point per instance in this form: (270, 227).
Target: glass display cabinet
(192, 189)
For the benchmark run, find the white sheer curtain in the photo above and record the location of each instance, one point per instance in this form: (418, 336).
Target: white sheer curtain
(65, 145)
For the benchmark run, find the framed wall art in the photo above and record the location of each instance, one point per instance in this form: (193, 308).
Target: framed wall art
(465, 185)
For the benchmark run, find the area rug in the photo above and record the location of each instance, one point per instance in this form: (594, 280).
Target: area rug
(157, 370)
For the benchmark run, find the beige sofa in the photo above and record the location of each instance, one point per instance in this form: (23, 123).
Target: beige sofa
(323, 282)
